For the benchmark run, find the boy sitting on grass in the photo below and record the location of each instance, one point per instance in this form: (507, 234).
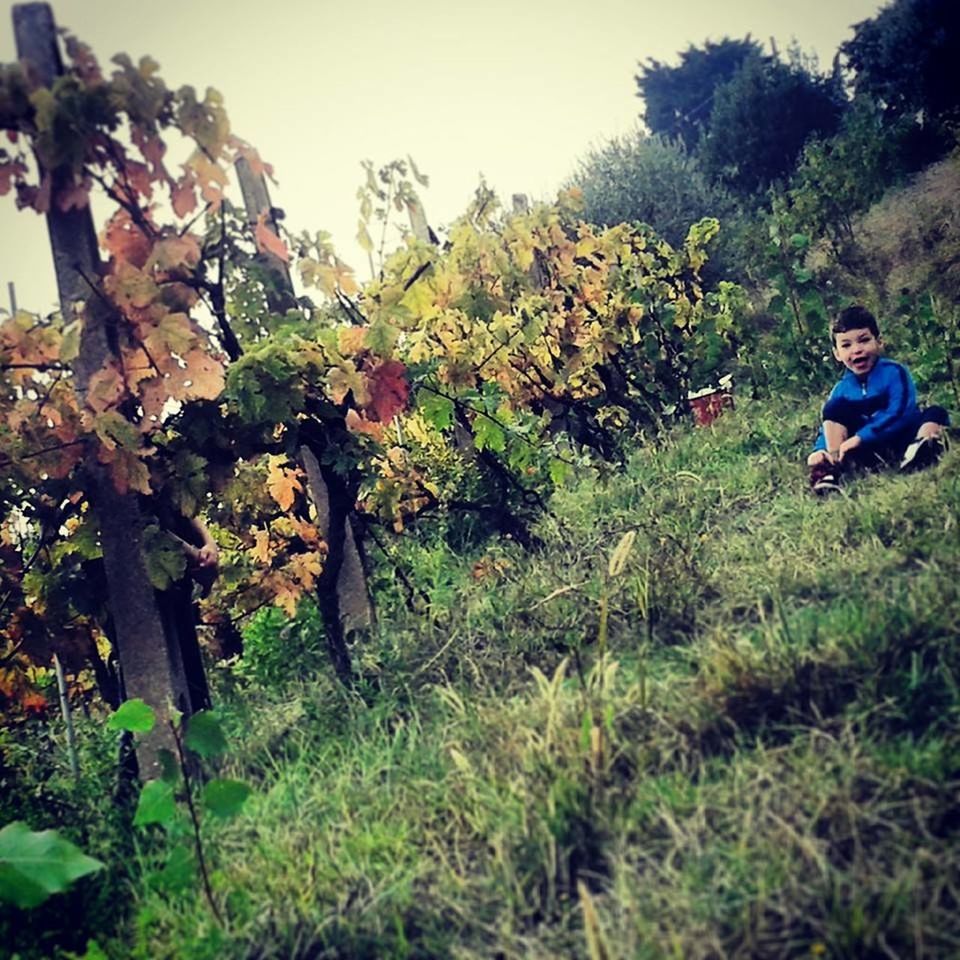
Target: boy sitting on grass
(871, 416)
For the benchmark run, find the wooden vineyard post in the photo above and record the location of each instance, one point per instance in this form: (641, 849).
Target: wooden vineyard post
(256, 201)
(418, 220)
(342, 593)
(147, 643)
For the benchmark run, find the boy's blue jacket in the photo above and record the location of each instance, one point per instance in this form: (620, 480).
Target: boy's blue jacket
(882, 409)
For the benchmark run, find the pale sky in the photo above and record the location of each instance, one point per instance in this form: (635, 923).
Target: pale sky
(515, 90)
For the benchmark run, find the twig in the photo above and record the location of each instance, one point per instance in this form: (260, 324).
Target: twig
(557, 593)
(198, 843)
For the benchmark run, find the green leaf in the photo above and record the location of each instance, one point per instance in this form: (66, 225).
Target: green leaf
(204, 735)
(488, 436)
(225, 798)
(382, 337)
(34, 866)
(164, 556)
(436, 410)
(156, 804)
(134, 716)
(558, 471)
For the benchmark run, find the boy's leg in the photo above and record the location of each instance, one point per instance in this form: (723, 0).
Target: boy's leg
(824, 468)
(926, 448)
(834, 433)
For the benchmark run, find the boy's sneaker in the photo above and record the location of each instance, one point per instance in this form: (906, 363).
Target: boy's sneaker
(824, 479)
(923, 452)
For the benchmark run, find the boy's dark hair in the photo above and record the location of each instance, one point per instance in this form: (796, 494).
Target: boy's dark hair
(855, 317)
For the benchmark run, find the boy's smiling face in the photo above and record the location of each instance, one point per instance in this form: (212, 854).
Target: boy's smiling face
(858, 350)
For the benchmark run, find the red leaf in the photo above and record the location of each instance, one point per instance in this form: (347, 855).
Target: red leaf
(152, 148)
(389, 390)
(268, 241)
(125, 241)
(84, 62)
(183, 196)
(137, 176)
(75, 196)
(34, 703)
(41, 199)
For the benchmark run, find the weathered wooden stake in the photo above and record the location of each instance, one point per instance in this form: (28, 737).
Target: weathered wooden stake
(150, 661)
(345, 603)
(418, 220)
(67, 717)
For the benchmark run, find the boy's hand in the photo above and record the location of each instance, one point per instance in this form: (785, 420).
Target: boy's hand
(851, 443)
(208, 556)
(819, 456)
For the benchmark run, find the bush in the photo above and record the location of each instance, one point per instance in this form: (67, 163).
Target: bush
(657, 181)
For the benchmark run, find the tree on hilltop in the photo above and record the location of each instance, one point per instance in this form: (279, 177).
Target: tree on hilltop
(905, 59)
(678, 99)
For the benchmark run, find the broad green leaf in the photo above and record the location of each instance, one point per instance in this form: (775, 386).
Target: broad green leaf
(436, 410)
(134, 716)
(204, 735)
(225, 798)
(164, 556)
(156, 804)
(381, 338)
(34, 866)
(488, 436)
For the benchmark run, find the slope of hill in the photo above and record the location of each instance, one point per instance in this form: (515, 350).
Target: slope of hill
(738, 737)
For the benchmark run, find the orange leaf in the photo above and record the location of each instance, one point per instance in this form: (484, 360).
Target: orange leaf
(205, 375)
(105, 388)
(357, 423)
(268, 241)
(129, 472)
(305, 568)
(124, 240)
(34, 703)
(283, 483)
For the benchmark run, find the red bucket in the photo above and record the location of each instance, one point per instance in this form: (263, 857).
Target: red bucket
(708, 404)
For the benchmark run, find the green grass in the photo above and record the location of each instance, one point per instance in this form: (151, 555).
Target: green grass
(763, 762)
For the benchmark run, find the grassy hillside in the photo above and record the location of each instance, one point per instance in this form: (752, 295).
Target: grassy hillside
(744, 743)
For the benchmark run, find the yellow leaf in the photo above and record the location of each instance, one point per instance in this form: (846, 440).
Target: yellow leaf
(283, 483)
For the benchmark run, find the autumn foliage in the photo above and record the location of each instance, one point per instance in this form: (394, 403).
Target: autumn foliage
(467, 377)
